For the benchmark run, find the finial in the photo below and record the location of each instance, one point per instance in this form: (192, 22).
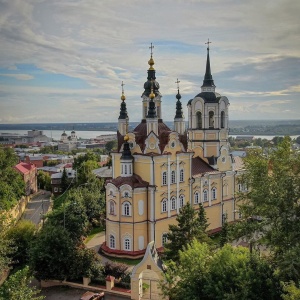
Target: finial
(151, 61)
(208, 42)
(178, 96)
(152, 95)
(123, 96)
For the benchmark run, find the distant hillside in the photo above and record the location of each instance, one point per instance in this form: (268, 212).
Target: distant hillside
(237, 127)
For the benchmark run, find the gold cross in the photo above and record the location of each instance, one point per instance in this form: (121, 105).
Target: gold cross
(151, 47)
(208, 42)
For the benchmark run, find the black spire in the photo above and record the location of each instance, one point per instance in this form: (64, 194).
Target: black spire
(123, 110)
(152, 108)
(208, 80)
(179, 113)
(126, 154)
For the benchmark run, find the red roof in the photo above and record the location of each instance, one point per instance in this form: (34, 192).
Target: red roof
(199, 166)
(134, 181)
(24, 168)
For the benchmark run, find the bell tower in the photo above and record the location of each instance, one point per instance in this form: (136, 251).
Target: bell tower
(208, 119)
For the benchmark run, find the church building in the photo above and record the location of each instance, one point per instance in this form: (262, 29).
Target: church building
(156, 170)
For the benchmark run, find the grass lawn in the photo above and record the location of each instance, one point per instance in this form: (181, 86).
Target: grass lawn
(93, 232)
(59, 201)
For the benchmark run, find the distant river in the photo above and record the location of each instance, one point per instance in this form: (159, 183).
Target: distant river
(56, 134)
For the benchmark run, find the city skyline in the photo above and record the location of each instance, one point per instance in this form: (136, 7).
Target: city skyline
(64, 61)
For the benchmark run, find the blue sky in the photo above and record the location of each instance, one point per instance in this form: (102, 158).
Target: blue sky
(64, 60)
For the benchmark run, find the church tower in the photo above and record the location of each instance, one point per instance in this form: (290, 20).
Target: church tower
(208, 120)
(179, 123)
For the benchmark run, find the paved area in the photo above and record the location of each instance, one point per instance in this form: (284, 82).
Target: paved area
(37, 207)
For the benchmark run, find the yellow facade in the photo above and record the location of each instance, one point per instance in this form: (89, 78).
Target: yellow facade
(167, 169)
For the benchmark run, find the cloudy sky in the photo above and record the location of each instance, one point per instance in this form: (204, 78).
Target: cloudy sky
(64, 60)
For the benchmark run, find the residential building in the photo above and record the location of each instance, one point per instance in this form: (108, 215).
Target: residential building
(29, 173)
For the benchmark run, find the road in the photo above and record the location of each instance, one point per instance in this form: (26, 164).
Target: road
(36, 207)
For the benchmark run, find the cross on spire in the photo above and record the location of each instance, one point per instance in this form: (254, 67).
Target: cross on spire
(122, 85)
(177, 84)
(208, 42)
(151, 47)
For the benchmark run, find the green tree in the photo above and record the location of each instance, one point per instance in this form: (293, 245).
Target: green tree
(6, 245)
(203, 224)
(22, 235)
(89, 155)
(84, 173)
(184, 232)
(12, 186)
(226, 273)
(291, 291)
(44, 180)
(298, 140)
(273, 199)
(17, 287)
(64, 180)
(111, 145)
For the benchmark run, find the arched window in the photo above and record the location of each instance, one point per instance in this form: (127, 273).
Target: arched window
(126, 209)
(199, 119)
(211, 120)
(164, 205)
(173, 177)
(222, 119)
(112, 242)
(164, 239)
(125, 169)
(181, 175)
(127, 244)
(164, 178)
(196, 197)
(173, 203)
(111, 208)
(205, 196)
(213, 193)
(181, 201)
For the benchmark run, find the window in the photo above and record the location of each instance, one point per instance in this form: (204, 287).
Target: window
(196, 198)
(173, 203)
(164, 205)
(112, 242)
(211, 120)
(164, 178)
(213, 193)
(173, 177)
(240, 187)
(181, 201)
(205, 196)
(125, 167)
(56, 189)
(126, 194)
(111, 208)
(222, 119)
(127, 244)
(181, 177)
(199, 119)
(164, 239)
(126, 209)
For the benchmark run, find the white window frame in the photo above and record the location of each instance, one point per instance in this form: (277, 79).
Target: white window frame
(164, 205)
(173, 203)
(205, 195)
(127, 243)
(214, 193)
(196, 197)
(173, 176)
(181, 201)
(126, 209)
(164, 178)
(112, 241)
(181, 175)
